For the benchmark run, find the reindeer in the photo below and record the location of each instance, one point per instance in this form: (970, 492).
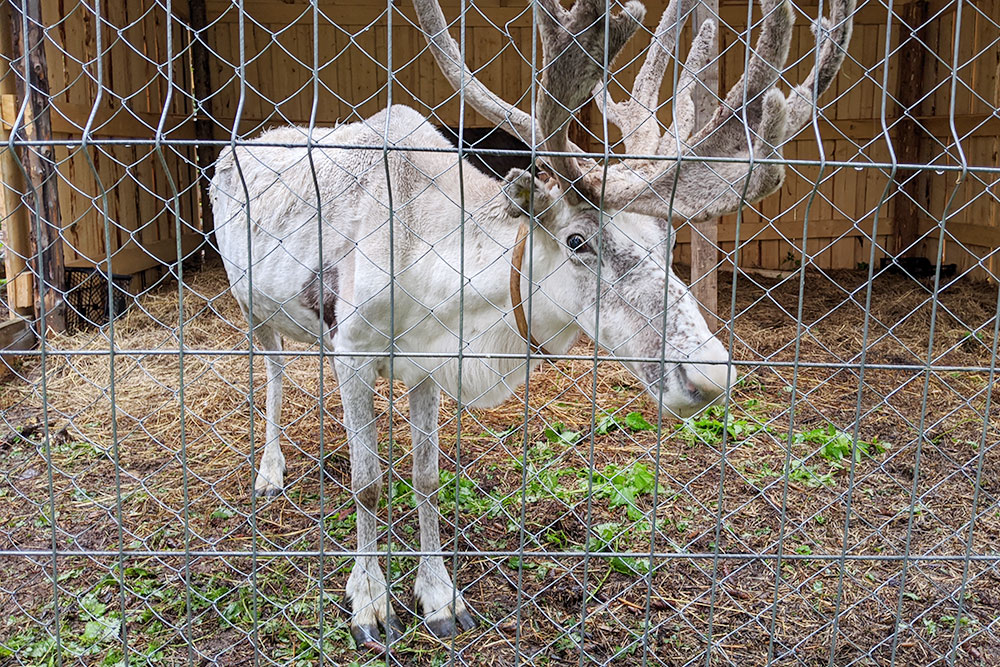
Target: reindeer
(356, 237)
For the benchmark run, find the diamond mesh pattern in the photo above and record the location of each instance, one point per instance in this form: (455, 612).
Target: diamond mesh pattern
(840, 508)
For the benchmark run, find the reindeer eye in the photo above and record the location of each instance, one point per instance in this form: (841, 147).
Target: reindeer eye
(577, 243)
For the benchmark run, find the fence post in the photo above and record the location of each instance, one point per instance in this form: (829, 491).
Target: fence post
(39, 163)
(909, 92)
(13, 212)
(204, 126)
(705, 235)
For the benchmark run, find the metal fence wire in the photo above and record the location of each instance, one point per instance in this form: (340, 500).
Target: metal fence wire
(384, 350)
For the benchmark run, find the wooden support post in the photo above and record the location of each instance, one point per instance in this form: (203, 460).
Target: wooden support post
(13, 212)
(204, 126)
(39, 162)
(704, 236)
(907, 139)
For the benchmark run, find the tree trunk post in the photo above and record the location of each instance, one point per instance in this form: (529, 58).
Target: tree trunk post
(907, 138)
(42, 198)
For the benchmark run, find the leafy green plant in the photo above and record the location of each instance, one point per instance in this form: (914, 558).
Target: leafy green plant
(621, 486)
(633, 421)
(636, 422)
(605, 537)
(709, 427)
(799, 472)
(836, 445)
(559, 433)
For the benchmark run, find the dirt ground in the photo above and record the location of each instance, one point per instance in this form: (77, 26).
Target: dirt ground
(625, 544)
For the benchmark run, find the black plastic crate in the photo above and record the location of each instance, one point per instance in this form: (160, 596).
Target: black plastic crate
(87, 297)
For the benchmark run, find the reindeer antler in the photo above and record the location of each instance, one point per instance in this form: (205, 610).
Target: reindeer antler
(700, 190)
(573, 61)
(573, 66)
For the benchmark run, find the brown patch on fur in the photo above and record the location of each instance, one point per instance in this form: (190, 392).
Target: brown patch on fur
(310, 295)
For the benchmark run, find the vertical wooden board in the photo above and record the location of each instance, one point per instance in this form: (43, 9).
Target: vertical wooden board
(223, 68)
(768, 255)
(892, 78)
(299, 41)
(849, 105)
(182, 69)
(511, 88)
(682, 254)
(339, 57)
(814, 249)
(240, 54)
(932, 35)
(109, 174)
(155, 36)
(403, 62)
(871, 93)
(750, 255)
(942, 96)
(133, 37)
(489, 48)
(967, 41)
(116, 63)
(380, 48)
(76, 31)
(120, 73)
(91, 225)
(426, 70)
(726, 256)
(841, 252)
(67, 203)
(786, 195)
(142, 172)
(260, 76)
(282, 76)
(55, 54)
(362, 71)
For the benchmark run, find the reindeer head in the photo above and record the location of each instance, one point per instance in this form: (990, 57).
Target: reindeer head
(612, 222)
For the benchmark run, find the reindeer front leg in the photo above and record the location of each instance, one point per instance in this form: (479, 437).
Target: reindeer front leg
(366, 587)
(442, 605)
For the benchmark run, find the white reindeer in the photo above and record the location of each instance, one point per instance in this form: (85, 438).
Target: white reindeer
(387, 270)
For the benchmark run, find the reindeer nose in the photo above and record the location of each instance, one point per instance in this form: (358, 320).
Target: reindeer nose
(708, 376)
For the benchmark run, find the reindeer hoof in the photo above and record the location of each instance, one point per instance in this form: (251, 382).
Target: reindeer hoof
(369, 635)
(267, 491)
(466, 620)
(443, 624)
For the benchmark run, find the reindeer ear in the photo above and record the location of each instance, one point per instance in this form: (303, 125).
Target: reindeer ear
(518, 186)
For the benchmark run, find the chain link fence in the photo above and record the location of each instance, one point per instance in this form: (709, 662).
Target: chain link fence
(836, 505)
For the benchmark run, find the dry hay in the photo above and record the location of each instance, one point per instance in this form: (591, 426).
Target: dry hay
(163, 483)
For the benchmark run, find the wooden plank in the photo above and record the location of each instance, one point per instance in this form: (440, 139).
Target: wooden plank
(112, 123)
(359, 14)
(131, 258)
(966, 233)
(15, 336)
(39, 163)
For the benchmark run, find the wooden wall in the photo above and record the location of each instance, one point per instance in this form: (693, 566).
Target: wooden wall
(139, 190)
(353, 58)
(970, 205)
